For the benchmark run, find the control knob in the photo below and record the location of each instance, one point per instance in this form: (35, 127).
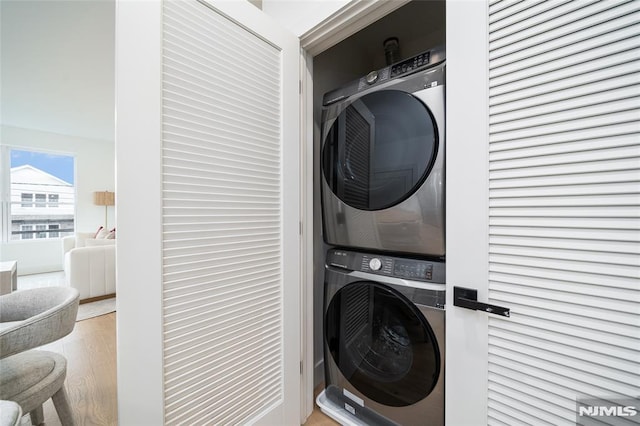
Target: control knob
(372, 77)
(375, 264)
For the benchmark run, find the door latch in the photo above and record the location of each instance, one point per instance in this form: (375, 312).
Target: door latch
(468, 298)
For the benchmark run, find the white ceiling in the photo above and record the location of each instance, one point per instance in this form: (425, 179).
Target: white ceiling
(57, 66)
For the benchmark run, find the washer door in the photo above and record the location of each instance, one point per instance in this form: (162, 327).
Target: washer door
(380, 149)
(382, 344)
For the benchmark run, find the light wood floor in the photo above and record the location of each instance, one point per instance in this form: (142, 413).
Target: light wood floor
(91, 375)
(317, 417)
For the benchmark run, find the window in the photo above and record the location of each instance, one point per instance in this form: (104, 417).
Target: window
(54, 234)
(27, 200)
(41, 200)
(26, 232)
(41, 228)
(53, 200)
(41, 195)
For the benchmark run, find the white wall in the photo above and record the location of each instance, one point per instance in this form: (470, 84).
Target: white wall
(299, 16)
(95, 171)
(35, 256)
(57, 66)
(57, 95)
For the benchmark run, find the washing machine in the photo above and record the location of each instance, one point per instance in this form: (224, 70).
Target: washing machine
(382, 159)
(384, 337)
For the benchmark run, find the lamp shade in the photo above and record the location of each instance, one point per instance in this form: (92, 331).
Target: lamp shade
(104, 198)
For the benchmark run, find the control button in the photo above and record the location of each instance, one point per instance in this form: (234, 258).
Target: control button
(372, 77)
(375, 264)
(428, 274)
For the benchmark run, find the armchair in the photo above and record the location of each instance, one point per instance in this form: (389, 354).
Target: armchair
(10, 413)
(28, 319)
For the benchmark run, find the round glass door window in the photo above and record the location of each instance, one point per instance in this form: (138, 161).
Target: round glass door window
(379, 149)
(382, 344)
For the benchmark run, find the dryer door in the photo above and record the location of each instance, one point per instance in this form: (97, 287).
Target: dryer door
(382, 344)
(379, 149)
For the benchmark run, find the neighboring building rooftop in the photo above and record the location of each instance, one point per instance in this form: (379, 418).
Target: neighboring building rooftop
(27, 174)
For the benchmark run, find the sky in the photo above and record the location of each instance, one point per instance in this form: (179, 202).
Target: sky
(60, 166)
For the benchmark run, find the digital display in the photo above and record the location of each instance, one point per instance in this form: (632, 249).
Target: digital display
(410, 64)
(422, 271)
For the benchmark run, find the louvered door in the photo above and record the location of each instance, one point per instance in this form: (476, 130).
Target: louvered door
(208, 184)
(230, 218)
(564, 198)
(561, 217)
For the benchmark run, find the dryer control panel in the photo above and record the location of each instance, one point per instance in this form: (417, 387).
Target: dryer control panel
(423, 61)
(390, 266)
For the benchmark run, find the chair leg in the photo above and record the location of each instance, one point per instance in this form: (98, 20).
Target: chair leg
(63, 408)
(37, 416)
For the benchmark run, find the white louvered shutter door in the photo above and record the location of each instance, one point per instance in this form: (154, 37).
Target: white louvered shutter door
(564, 207)
(229, 207)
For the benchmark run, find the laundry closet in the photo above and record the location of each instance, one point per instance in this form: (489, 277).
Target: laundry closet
(541, 202)
(405, 33)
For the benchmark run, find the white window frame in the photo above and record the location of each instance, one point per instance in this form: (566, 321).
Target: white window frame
(5, 193)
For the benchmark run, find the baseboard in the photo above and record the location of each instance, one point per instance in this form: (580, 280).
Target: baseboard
(32, 270)
(95, 299)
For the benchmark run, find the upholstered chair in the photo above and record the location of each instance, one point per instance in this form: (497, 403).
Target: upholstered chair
(10, 413)
(28, 319)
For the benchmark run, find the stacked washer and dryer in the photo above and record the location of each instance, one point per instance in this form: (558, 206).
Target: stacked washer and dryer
(383, 202)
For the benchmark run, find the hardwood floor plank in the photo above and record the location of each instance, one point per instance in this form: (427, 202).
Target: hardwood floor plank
(91, 385)
(91, 376)
(317, 417)
(81, 391)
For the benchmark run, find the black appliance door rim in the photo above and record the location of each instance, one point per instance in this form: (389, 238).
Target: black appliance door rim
(415, 312)
(327, 125)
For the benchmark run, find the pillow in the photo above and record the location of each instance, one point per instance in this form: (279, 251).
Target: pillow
(99, 242)
(111, 235)
(98, 232)
(102, 233)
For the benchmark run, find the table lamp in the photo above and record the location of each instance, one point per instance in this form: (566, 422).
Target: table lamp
(106, 199)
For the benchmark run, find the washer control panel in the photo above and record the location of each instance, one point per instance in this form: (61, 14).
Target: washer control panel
(412, 269)
(391, 266)
(379, 264)
(375, 264)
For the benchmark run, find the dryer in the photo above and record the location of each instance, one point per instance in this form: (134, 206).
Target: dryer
(382, 159)
(384, 336)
